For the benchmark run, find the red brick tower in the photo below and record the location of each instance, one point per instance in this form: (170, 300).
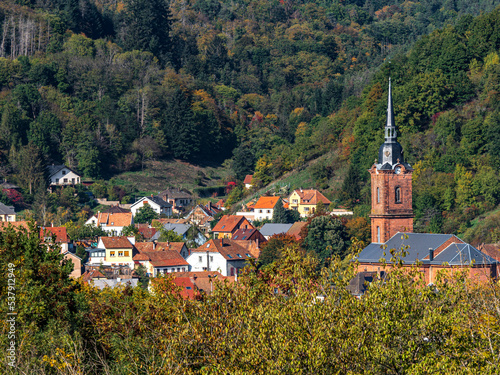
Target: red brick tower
(391, 186)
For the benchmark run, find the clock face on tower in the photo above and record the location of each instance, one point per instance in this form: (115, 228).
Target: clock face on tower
(397, 170)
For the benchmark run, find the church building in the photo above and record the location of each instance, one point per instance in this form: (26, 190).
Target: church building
(392, 221)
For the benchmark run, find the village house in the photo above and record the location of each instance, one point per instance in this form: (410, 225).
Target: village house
(77, 264)
(112, 223)
(118, 251)
(202, 216)
(248, 181)
(264, 208)
(195, 284)
(228, 224)
(7, 213)
(60, 175)
(223, 255)
(179, 199)
(162, 257)
(155, 202)
(305, 201)
(47, 234)
(248, 234)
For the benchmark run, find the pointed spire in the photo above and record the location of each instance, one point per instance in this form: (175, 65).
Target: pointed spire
(390, 126)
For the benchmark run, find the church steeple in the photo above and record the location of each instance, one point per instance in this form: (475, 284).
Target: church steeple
(390, 153)
(390, 126)
(392, 210)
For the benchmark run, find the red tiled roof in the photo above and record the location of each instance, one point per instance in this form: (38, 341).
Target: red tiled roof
(168, 221)
(229, 249)
(116, 243)
(165, 258)
(89, 275)
(311, 196)
(266, 202)
(228, 223)
(248, 179)
(119, 219)
(59, 232)
(220, 204)
(188, 290)
(16, 224)
(175, 246)
(296, 228)
(144, 246)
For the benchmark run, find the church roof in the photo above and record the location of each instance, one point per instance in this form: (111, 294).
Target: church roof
(447, 248)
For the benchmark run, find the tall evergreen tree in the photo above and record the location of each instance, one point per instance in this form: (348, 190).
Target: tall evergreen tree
(146, 26)
(280, 214)
(180, 127)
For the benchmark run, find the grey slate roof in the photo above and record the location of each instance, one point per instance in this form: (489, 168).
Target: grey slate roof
(6, 210)
(113, 283)
(160, 202)
(270, 229)
(179, 229)
(417, 246)
(53, 169)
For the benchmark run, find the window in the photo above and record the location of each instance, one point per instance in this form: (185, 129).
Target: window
(72, 180)
(65, 180)
(112, 254)
(306, 208)
(120, 253)
(248, 255)
(398, 195)
(126, 253)
(378, 195)
(268, 211)
(57, 180)
(229, 256)
(211, 258)
(295, 201)
(239, 256)
(260, 211)
(232, 271)
(200, 259)
(378, 234)
(63, 172)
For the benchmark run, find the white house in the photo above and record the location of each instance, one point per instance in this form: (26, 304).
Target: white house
(223, 255)
(7, 213)
(155, 202)
(264, 208)
(60, 175)
(112, 223)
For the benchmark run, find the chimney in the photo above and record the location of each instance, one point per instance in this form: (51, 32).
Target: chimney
(431, 254)
(208, 262)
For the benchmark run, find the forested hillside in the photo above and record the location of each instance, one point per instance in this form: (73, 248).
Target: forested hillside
(105, 86)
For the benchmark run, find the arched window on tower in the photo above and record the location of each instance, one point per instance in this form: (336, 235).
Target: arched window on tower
(378, 195)
(398, 195)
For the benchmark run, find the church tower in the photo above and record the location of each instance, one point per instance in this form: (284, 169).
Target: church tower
(392, 210)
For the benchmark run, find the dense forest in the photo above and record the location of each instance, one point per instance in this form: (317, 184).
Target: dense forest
(105, 86)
